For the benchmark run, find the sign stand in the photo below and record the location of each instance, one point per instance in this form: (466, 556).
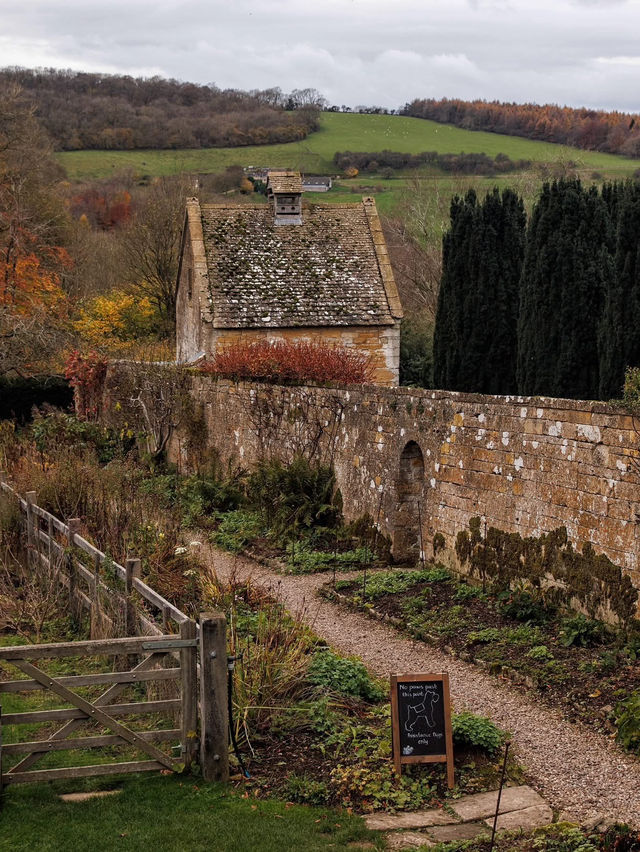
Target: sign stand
(421, 721)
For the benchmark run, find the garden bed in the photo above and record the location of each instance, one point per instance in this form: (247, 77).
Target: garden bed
(314, 727)
(583, 667)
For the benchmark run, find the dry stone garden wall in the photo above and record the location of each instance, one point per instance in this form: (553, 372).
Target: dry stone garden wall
(428, 464)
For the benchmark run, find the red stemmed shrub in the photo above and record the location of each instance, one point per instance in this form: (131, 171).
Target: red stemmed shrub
(282, 362)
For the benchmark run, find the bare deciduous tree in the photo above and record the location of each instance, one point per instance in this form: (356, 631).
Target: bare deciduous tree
(151, 244)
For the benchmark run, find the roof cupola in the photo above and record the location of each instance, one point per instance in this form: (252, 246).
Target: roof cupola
(285, 190)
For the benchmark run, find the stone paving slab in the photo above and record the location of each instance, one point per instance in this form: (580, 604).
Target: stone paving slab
(462, 831)
(415, 819)
(83, 797)
(407, 840)
(535, 817)
(483, 805)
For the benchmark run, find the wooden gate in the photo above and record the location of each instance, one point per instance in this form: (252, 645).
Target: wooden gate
(100, 712)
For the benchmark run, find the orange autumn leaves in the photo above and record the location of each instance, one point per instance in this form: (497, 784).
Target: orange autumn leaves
(31, 275)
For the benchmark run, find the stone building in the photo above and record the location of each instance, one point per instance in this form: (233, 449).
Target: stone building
(287, 270)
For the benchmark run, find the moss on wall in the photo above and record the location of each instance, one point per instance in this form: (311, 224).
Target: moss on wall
(550, 562)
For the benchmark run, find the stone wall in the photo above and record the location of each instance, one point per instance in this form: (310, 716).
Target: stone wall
(522, 465)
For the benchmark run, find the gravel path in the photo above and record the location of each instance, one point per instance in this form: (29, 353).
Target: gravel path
(575, 768)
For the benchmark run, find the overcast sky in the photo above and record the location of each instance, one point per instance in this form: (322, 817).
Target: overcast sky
(385, 52)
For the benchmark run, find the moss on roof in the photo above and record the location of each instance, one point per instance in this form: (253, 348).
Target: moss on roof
(323, 272)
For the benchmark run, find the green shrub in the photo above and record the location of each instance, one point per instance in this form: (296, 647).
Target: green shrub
(525, 634)
(302, 560)
(466, 593)
(566, 839)
(345, 676)
(380, 787)
(581, 632)
(627, 716)
(488, 634)
(395, 582)
(296, 496)
(525, 605)
(57, 430)
(540, 652)
(237, 530)
(471, 731)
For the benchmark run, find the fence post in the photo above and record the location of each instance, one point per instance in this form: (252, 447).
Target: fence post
(214, 717)
(189, 683)
(96, 617)
(73, 525)
(50, 537)
(30, 497)
(132, 569)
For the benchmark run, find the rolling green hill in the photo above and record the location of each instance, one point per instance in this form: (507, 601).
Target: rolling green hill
(339, 132)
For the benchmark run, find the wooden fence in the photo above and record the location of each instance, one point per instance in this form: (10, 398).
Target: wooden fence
(144, 618)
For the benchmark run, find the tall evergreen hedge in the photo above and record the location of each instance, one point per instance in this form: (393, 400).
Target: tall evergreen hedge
(476, 321)
(555, 313)
(567, 272)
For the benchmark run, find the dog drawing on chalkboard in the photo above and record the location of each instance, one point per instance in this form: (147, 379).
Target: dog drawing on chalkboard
(424, 710)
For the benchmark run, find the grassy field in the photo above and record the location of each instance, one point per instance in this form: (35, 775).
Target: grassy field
(339, 132)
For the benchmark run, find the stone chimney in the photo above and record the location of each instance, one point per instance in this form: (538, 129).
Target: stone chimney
(285, 190)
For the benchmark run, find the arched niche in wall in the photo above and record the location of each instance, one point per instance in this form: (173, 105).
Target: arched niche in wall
(409, 504)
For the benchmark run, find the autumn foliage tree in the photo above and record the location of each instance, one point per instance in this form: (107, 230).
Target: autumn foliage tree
(593, 130)
(33, 260)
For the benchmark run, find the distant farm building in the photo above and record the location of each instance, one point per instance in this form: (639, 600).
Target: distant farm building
(316, 184)
(287, 271)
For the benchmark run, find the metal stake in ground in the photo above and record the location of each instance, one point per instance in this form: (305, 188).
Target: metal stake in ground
(371, 550)
(504, 770)
(420, 531)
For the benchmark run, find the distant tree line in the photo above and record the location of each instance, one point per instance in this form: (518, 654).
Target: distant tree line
(464, 164)
(593, 130)
(102, 111)
(549, 307)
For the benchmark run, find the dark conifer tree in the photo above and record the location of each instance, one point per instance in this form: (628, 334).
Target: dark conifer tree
(567, 271)
(476, 320)
(619, 339)
(450, 327)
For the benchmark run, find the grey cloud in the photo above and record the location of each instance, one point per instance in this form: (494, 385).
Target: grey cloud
(355, 51)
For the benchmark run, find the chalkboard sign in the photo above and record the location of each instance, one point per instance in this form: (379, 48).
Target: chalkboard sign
(421, 720)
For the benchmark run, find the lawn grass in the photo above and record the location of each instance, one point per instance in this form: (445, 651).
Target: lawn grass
(339, 132)
(172, 814)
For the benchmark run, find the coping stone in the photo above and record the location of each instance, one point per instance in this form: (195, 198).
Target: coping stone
(483, 805)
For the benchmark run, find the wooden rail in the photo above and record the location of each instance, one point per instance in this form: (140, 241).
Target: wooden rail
(45, 550)
(54, 547)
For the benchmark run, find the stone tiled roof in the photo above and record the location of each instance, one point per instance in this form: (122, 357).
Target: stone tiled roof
(332, 270)
(284, 182)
